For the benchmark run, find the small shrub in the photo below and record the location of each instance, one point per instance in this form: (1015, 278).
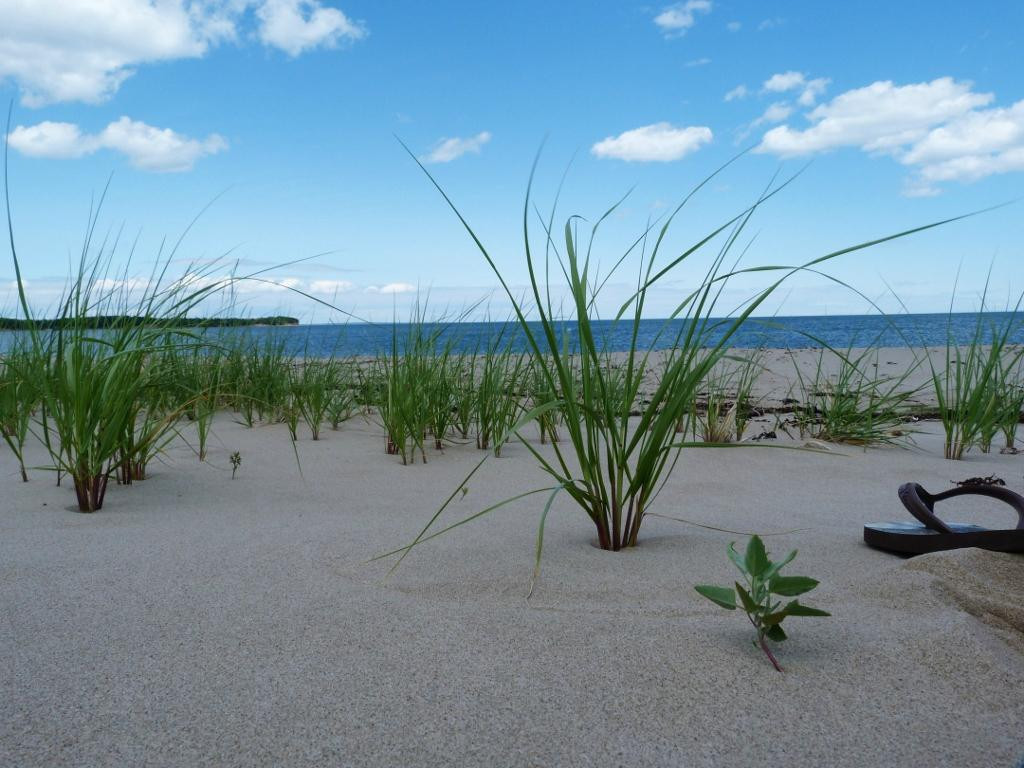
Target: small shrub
(763, 580)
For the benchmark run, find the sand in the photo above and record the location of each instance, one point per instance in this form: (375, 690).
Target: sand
(199, 620)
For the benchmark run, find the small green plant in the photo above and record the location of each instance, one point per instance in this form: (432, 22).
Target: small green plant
(845, 400)
(236, 462)
(763, 581)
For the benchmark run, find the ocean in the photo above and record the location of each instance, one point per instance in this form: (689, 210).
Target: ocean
(838, 331)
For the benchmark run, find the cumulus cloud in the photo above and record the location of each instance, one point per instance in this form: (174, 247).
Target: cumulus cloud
(661, 142)
(810, 90)
(331, 286)
(296, 26)
(739, 92)
(734, 26)
(49, 139)
(775, 113)
(676, 19)
(879, 117)
(391, 288)
(83, 50)
(146, 147)
(941, 129)
(447, 150)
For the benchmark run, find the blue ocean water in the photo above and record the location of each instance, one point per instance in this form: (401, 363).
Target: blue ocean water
(779, 332)
(838, 331)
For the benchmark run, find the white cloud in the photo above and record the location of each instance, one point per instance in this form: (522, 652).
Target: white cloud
(940, 129)
(979, 132)
(331, 286)
(770, 24)
(447, 150)
(739, 92)
(879, 117)
(77, 50)
(391, 288)
(83, 50)
(775, 113)
(148, 148)
(661, 142)
(698, 62)
(980, 143)
(733, 26)
(675, 19)
(810, 90)
(295, 26)
(784, 81)
(918, 188)
(48, 139)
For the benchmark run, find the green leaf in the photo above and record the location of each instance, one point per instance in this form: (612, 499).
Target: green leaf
(723, 596)
(745, 599)
(776, 567)
(736, 557)
(756, 559)
(773, 619)
(776, 633)
(794, 608)
(790, 586)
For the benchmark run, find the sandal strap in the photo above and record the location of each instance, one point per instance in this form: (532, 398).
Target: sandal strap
(921, 504)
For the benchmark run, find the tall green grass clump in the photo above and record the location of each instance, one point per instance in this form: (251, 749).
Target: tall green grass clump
(1010, 393)
(101, 410)
(968, 386)
(611, 464)
(728, 400)
(413, 387)
(846, 400)
(498, 401)
(313, 383)
(18, 400)
(545, 401)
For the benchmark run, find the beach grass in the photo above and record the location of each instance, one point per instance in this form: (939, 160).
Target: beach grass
(855, 404)
(610, 463)
(967, 386)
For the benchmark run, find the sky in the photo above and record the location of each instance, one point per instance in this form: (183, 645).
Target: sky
(281, 124)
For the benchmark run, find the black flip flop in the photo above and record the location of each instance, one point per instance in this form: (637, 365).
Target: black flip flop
(934, 535)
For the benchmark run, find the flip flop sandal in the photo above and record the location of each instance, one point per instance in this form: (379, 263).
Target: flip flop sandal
(934, 535)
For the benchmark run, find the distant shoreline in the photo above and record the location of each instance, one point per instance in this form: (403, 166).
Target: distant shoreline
(111, 321)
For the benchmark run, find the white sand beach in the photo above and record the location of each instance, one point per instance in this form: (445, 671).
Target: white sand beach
(199, 620)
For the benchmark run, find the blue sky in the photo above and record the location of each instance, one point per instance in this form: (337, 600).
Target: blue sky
(290, 109)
